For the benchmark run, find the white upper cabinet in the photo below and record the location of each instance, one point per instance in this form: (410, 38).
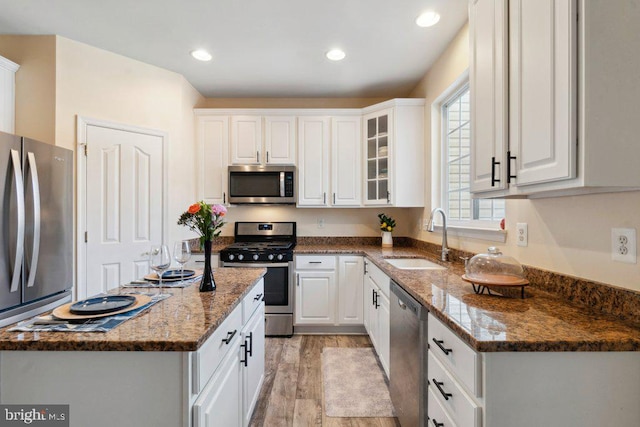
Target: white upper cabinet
(570, 120)
(346, 180)
(313, 161)
(8, 71)
(394, 172)
(246, 140)
(488, 91)
(248, 147)
(329, 161)
(279, 140)
(212, 135)
(542, 90)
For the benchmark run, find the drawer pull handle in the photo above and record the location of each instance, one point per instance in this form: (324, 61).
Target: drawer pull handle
(229, 337)
(436, 423)
(439, 386)
(250, 350)
(439, 344)
(257, 297)
(315, 262)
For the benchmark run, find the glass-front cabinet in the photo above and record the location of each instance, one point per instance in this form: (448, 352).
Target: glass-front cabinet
(378, 131)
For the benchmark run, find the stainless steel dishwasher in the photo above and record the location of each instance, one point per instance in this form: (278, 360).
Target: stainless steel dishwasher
(407, 364)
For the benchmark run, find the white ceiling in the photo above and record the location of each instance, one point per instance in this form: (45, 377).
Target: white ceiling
(261, 48)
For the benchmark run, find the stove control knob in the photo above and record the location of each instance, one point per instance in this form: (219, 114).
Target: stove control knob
(270, 257)
(231, 257)
(240, 257)
(280, 257)
(255, 257)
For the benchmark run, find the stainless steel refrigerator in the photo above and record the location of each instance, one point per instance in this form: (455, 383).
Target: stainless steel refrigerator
(36, 237)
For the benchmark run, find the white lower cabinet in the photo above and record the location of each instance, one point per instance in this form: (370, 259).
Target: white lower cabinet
(229, 396)
(329, 290)
(252, 355)
(377, 315)
(220, 403)
(528, 389)
(350, 284)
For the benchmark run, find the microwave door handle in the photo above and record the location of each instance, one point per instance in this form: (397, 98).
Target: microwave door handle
(17, 263)
(282, 184)
(35, 185)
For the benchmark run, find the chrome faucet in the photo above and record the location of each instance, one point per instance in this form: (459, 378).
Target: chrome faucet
(445, 248)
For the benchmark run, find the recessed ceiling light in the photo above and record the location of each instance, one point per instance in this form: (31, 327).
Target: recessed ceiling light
(336, 54)
(428, 19)
(201, 55)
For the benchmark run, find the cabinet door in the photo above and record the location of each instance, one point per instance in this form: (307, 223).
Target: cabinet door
(350, 288)
(246, 140)
(315, 297)
(346, 179)
(542, 83)
(280, 140)
(384, 327)
(220, 403)
(371, 301)
(488, 91)
(313, 161)
(253, 373)
(213, 158)
(378, 152)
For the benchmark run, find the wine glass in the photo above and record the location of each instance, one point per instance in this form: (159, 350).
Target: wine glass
(159, 261)
(181, 253)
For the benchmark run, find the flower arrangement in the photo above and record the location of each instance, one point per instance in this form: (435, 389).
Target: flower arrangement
(386, 222)
(204, 219)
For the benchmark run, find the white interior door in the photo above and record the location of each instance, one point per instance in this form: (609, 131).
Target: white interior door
(123, 205)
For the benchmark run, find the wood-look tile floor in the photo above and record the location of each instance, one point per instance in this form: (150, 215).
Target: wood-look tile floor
(292, 392)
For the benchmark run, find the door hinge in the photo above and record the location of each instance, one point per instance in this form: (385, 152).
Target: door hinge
(86, 236)
(85, 149)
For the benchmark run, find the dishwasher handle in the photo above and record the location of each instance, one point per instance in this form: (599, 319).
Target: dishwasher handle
(407, 302)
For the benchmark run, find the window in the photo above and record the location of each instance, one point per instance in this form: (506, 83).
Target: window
(461, 208)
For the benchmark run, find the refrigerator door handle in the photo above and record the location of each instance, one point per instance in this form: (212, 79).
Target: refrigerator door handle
(17, 264)
(35, 185)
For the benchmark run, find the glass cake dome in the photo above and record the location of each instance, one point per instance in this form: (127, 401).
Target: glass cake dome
(494, 267)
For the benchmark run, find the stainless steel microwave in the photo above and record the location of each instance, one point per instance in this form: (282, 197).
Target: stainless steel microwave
(262, 185)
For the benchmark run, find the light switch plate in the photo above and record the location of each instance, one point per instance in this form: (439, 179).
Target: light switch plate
(522, 234)
(623, 245)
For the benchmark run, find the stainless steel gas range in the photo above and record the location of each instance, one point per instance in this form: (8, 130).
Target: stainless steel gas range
(269, 245)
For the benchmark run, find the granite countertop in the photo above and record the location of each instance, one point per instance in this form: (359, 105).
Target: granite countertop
(540, 322)
(191, 317)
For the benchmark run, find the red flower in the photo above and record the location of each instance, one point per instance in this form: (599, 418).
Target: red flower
(194, 208)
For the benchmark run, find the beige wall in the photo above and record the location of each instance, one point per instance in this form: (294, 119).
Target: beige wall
(98, 84)
(35, 84)
(570, 235)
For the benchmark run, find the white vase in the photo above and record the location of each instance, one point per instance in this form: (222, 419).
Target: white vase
(387, 239)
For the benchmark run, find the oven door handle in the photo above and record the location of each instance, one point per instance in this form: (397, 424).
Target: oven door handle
(255, 264)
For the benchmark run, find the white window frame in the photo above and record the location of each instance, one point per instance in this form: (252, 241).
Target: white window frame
(476, 229)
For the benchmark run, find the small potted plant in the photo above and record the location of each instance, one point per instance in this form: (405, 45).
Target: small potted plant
(387, 224)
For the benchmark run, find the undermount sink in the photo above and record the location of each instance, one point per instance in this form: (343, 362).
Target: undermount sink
(414, 264)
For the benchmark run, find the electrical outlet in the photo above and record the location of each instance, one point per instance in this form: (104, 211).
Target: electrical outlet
(623, 245)
(320, 222)
(522, 234)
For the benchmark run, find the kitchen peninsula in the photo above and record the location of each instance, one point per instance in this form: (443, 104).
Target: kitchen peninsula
(169, 366)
